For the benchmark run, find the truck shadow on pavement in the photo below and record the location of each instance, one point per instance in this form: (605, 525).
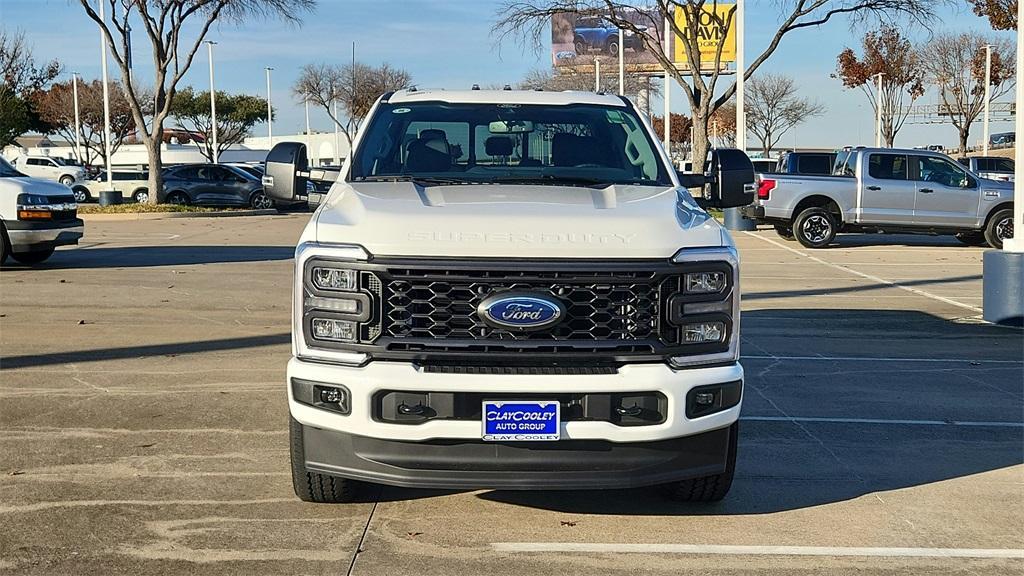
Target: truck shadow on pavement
(153, 256)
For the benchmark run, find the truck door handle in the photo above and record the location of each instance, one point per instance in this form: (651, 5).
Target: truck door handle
(926, 190)
(874, 187)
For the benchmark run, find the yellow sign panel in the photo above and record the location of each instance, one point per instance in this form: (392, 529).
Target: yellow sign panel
(712, 28)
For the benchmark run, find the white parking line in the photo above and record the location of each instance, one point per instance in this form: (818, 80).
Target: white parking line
(882, 421)
(876, 359)
(869, 276)
(599, 548)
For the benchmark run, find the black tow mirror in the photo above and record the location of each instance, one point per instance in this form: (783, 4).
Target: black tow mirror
(287, 170)
(731, 182)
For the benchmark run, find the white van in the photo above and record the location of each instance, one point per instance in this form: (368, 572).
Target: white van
(36, 216)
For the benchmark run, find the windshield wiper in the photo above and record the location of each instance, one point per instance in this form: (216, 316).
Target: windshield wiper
(420, 180)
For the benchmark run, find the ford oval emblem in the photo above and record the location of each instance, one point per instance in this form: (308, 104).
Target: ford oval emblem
(521, 312)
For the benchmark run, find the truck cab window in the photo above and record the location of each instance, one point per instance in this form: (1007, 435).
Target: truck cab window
(888, 166)
(944, 172)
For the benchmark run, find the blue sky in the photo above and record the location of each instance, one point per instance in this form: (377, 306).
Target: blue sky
(448, 43)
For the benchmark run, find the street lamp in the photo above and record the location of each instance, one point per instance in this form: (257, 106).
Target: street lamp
(106, 100)
(741, 71)
(988, 93)
(878, 110)
(78, 122)
(213, 103)
(270, 118)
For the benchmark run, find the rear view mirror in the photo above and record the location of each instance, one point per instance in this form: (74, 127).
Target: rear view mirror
(286, 172)
(510, 126)
(731, 179)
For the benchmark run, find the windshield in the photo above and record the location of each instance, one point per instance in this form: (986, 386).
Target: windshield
(557, 144)
(59, 161)
(8, 171)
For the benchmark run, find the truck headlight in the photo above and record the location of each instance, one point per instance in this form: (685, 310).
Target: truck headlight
(329, 278)
(705, 282)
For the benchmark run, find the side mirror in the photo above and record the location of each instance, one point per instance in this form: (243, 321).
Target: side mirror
(732, 183)
(287, 171)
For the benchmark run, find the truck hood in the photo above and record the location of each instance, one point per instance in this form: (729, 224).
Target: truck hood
(19, 185)
(515, 221)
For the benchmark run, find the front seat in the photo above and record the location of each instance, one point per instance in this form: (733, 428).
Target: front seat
(429, 153)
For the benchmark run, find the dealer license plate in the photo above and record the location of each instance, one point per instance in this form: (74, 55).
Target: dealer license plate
(520, 420)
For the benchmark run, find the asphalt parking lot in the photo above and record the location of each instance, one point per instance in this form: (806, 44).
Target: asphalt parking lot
(143, 426)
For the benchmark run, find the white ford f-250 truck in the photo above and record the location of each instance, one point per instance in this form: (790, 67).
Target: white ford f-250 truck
(513, 290)
(886, 190)
(36, 216)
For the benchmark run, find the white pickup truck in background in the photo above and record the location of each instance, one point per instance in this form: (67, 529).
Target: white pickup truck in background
(513, 290)
(49, 168)
(886, 190)
(36, 216)
(991, 167)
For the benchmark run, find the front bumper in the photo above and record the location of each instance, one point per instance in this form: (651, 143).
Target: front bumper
(30, 236)
(474, 464)
(450, 453)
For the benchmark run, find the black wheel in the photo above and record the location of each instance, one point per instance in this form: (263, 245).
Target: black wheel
(972, 238)
(81, 194)
(178, 198)
(999, 228)
(67, 181)
(4, 248)
(613, 48)
(786, 232)
(141, 195)
(707, 488)
(33, 257)
(260, 201)
(312, 486)
(815, 227)
(581, 46)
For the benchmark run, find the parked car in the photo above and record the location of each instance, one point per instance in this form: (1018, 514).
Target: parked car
(815, 163)
(36, 216)
(549, 312)
(212, 185)
(886, 190)
(764, 165)
(597, 33)
(991, 167)
(132, 184)
(51, 168)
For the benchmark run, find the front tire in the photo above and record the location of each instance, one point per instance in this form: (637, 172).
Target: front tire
(613, 48)
(707, 488)
(33, 257)
(815, 227)
(67, 181)
(81, 194)
(178, 198)
(5, 248)
(141, 196)
(999, 228)
(313, 486)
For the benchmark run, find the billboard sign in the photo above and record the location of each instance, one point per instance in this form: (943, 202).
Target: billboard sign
(579, 39)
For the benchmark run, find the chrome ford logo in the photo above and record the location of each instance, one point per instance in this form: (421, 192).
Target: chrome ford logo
(520, 311)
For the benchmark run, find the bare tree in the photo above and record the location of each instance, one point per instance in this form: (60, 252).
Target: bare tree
(956, 65)
(353, 87)
(889, 53)
(236, 115)
(773, 107)
(175, 30)
(56, 107)
(20, 78)
(569, 79)
(723, 125)
(528, 20)
(1001, 14)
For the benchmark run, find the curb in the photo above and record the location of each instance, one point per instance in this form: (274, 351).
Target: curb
(165, 215)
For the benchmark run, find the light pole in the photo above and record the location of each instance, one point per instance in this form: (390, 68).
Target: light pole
(309, 137)
(988, 94)
(337, 135)
(667, 91)
(622, 64)
(270, 114)
(597, 74)
(213, 103)
(878, 110)
(106, 101)
(741, 71)
(78, 122)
